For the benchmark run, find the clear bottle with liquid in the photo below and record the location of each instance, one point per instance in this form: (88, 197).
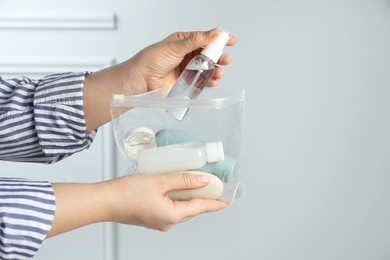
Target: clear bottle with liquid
(178, 157)
(197, 73)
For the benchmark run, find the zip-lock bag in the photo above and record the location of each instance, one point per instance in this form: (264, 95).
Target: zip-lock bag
(208, 139)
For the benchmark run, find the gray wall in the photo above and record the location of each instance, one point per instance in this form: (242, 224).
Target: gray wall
(316, 74)
(317, 173)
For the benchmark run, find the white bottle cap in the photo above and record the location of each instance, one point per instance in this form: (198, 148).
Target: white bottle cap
(141, 129)
(214, 50)
(138, 138)
(214, 152)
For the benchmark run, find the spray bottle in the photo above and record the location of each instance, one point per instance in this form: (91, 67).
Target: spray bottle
(197, 73)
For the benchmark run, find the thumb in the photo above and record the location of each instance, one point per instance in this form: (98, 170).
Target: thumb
(190, 41)
(186, 180)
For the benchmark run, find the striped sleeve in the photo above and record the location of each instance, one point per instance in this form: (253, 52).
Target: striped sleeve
(42, 120)
(26, 214)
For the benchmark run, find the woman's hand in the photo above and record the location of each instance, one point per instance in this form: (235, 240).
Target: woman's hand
(139, 199)
(143, 200)
(160, 64)
(156, 66)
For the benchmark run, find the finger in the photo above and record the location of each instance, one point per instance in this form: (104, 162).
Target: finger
(217, 75)
(194, 207)
(208, 34)
(232, 41)
(185, 181)
(187, 42)
(225, 59)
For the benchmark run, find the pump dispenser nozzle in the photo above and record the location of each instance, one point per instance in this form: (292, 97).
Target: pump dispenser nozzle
(214, 49)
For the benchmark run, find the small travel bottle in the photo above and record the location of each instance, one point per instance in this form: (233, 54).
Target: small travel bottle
(178, 157)
(137, 139)
(197, 73)
(223, 169)
(213, 190)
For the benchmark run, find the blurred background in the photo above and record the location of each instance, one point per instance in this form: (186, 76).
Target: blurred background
(317, 122)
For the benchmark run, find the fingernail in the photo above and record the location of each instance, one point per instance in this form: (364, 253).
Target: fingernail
(203, 179)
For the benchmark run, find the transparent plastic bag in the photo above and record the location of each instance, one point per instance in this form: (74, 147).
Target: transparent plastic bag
(215, 116)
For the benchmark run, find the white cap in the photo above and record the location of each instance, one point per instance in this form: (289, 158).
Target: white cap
(214, 152)
(141, 129)
(214, 50)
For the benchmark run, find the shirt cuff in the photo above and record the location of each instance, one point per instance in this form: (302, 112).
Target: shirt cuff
(26, 214)
(59, 115)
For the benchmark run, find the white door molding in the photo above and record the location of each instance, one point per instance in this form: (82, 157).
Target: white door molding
(57, 20)
(109, 169)
(41, 66)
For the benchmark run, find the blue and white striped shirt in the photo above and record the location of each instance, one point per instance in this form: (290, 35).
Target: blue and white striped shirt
(40, 121)
(26, 213)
